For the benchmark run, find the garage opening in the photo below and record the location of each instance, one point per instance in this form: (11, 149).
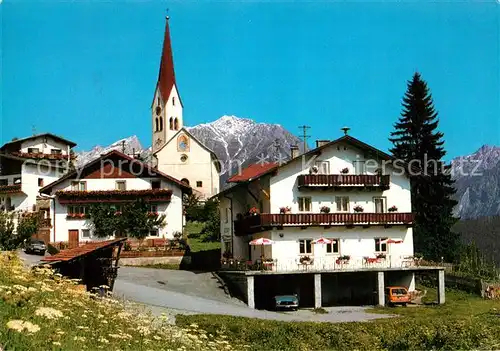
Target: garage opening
(349, 289)
(268, 286)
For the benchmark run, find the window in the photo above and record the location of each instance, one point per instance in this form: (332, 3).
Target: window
(226, 215)
(171, 123)
(153, 208)
(153, 232)
(17, 180)
(380, 204)
(86, 233)
(359, 167)
(40, 181)
(161, 123)
(78, 186)
(323, 167)
(173, 100)
(77, 210)
(334, 247)
(158, 100)
(33, 150)
(155, 184)
(157, 125)
(199, 184)
(56, 151)
(4, 182)
(342, 203)
(304, 204)
(121, 185)
(305, 246)
(380, 247)
(176, 124)
(184, 158)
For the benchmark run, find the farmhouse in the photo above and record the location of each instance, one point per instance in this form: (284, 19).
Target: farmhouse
(333, 225)
(115, 179)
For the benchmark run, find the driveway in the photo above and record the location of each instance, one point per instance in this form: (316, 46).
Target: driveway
(183, 292)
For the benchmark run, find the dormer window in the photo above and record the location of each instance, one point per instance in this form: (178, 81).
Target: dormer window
(33, 150)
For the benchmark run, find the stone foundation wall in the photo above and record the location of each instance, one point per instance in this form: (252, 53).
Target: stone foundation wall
(144, 261)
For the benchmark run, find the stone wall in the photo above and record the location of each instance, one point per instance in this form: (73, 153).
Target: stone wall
(144, 261)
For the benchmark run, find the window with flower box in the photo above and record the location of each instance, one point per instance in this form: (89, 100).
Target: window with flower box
(342, 203)
(334, 247)
(75, 211)
(304, 204)
(305, 246)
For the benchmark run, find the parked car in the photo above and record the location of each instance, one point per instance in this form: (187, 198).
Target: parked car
(286, 302)
(397, 295)
(35, 246)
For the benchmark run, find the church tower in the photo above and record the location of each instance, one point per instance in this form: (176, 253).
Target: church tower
(166, 109)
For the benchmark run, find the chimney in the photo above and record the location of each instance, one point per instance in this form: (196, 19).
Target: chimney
(294, 151)
(320, 143)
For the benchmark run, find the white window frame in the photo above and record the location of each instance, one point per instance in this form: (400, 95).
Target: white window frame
(384, 204)
(379, 248)
(157, 231)
(338, 199)
(333, 253)
(306, 253)
(321, 164)
(301, 202)
(86, 237)
(30, 150)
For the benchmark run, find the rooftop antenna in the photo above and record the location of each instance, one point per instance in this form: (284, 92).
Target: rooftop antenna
(304, 135)
(345, 130)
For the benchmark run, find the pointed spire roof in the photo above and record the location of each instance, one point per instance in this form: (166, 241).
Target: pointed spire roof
(166, 77)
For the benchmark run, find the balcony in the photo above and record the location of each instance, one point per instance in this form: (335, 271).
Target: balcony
(113, 196)
(10, 189)
(265, 221)
(344, 181)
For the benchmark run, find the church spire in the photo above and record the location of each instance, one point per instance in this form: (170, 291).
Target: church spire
(166, 77)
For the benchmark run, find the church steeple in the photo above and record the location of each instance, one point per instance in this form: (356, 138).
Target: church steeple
(167, 106)
(166, 76)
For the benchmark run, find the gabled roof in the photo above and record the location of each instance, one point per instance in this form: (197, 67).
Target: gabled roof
(91, 166)
(184, 130)
(252, 172)
(71, 254)
(166, 76)
(50, 135)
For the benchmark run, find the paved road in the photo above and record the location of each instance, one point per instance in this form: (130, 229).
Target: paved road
(183, 292)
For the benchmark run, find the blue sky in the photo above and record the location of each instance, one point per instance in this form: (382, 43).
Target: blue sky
(87, 70)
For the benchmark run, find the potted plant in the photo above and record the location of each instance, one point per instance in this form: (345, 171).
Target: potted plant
(305, 260)
(358, 208)
(392, 209)
(344, 170)
(324, 209)
(254, 211)
(345, 257)
(285, 209)
(314, 170)
(381, 256)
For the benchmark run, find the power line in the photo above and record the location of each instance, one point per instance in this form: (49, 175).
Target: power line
(304, 136)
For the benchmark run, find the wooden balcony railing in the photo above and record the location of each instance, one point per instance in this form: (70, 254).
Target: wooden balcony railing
(344, 180)
(265, 221)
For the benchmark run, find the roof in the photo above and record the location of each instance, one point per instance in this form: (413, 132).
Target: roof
(183, 129)
(71, 254)
(255, 171)
(150, 171)
(53, 136)
(166, 76)
(252, 172)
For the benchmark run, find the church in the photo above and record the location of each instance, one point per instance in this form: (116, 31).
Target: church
(177, 152)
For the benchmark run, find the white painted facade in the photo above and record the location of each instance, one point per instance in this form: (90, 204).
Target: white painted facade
(172, 209)
(170, 110)
(31, 173)
(280, 189)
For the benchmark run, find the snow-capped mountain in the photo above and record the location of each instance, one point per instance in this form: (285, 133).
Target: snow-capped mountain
(235, 141)
(130, 145)
(241, 141)
(477, 180)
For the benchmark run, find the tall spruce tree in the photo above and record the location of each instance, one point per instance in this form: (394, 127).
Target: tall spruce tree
(416, 139)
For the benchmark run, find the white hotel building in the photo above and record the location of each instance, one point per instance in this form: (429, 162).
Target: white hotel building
(343, 190)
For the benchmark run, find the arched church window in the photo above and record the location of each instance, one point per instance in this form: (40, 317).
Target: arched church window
(171, 123)
(176, 124)
(161, 123)
(156, 129)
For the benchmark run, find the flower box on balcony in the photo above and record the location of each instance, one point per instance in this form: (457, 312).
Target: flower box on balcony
(392, 209)
(253, 211)
(305, 260)
(358, 209)
(325, 209)
(77, 216)
(286, 209)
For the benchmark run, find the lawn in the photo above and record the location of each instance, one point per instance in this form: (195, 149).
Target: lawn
(465, 322)
(193, 230)
(40, 310)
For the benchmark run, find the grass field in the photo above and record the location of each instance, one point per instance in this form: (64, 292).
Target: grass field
(465, 322)
(193, 230)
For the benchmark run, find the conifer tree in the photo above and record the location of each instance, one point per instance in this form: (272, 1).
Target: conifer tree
(417, 141)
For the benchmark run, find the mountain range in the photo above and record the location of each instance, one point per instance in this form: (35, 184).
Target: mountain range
(243, 141)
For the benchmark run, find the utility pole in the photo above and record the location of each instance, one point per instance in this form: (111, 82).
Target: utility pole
(304, 136)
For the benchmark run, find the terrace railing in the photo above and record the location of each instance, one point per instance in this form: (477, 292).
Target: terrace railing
(344, 180)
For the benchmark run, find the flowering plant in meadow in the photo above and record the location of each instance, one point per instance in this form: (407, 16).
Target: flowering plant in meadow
(41, 310)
